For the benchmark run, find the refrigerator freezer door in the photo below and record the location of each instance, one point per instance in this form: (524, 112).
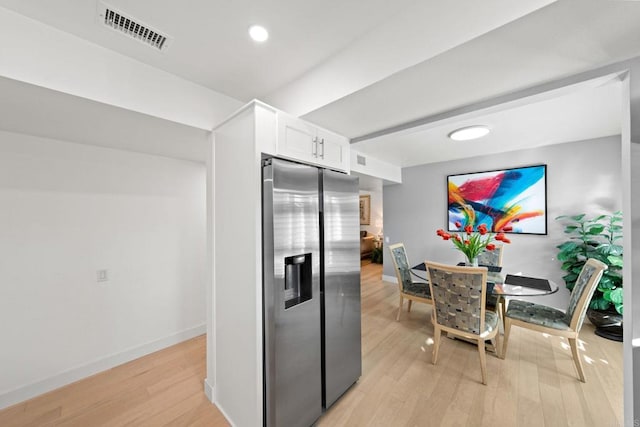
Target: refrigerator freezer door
(291, 294)
(342, 363)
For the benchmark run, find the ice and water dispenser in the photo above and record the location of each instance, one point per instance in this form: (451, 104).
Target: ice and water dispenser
(297, 279)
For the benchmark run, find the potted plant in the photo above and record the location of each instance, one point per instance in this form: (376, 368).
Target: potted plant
(598, 238)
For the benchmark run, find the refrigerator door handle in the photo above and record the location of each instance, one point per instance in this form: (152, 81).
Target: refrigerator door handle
(314, 147)
(322, 146)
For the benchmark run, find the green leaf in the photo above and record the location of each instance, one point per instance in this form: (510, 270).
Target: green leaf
(577, 217)
(566, 256)
(619, 308)
(595, 229)
(605, 284)
(599, 303)
(567, 246)
(615, 296)
(615, 260)
(609, 249)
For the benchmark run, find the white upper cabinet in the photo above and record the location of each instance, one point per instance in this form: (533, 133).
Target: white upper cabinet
(299, 140)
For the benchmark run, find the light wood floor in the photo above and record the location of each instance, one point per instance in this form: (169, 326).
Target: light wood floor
(535, 386)
(163, 388)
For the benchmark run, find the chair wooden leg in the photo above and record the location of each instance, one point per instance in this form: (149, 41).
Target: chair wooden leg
(436, 344)
(500, 312)
(483, 360)
(399, 309)
(503, 310)
(409, 308)
(507, 330)
(573, 342)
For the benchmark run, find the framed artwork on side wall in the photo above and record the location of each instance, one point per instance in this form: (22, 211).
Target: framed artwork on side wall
(514, 197)
(365, 209)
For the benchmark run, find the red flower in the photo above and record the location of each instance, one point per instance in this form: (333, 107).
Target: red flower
(440, 232)
(482, 231)
(466, 242)
(458, 224)
(490, 247)
(456, 237)
(507, 228)
(505, 240)
(446, 236)
(500, 236)
(468, 229)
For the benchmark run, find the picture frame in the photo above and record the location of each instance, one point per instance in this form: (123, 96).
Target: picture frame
(512, 197)
(365, 209)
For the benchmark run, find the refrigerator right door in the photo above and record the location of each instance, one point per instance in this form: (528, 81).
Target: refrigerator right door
(342, 360)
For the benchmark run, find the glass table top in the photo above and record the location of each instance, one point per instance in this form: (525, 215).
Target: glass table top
(504, 284)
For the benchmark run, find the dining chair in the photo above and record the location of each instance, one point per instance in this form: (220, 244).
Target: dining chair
(410, 290)
(494, 259)
(459, 297)
(549, 320)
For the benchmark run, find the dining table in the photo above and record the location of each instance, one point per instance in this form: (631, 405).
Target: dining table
(501, 283)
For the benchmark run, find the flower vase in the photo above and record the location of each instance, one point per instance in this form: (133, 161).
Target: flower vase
(472, 262)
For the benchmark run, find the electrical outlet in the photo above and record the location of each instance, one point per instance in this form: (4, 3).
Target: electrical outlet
(103, 275)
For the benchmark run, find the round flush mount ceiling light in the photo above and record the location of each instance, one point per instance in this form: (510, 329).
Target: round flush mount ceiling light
(258, 33)
(469, 132)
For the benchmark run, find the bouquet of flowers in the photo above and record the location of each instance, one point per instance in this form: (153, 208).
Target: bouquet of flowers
(471, 243)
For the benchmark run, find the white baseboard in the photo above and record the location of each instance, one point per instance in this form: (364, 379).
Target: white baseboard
(221, 409)
(208, 390)
(35, 389)
(392, 279)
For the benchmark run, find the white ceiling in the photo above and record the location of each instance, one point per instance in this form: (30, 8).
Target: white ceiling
(361, 66)
(211, 47)
(585, 111)
(565, 38)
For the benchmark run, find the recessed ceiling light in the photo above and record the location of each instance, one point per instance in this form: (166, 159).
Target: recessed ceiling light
(469, 132)
(258, 33)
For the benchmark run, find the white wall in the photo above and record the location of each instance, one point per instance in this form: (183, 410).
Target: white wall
(68, 210)
(236, 382)
(582, 176)
(375, 225)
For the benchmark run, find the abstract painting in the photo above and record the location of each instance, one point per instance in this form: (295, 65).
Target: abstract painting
(509, 197)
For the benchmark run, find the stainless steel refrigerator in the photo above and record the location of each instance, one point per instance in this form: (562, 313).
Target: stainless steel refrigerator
(311, 290)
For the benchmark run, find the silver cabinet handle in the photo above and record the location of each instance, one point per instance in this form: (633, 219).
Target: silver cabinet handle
(322, 145)
(314, 147)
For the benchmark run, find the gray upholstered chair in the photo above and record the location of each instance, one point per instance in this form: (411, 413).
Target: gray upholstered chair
(494, 259)
(410, 290)
(551, 321)
(459, 299)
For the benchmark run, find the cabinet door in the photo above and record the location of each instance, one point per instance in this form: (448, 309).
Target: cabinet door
(297, 139)
(333, 150)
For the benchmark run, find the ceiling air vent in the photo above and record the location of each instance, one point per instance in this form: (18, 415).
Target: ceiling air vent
(361, 160)
(131, 27)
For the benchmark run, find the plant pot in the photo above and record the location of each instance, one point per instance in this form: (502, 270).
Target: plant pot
(608, 323)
